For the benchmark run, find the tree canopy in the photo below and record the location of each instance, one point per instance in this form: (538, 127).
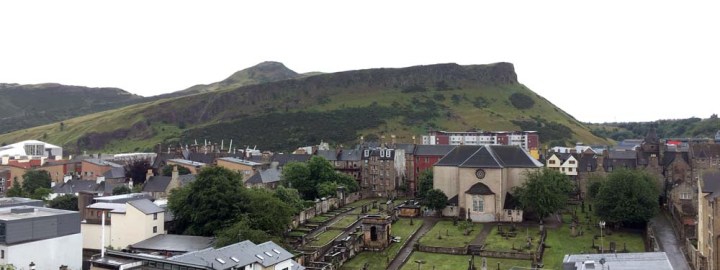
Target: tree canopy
(626, 197)
(137, 170)
(316, 178)
(167, 170)
(217, 203)
(122, 189)
(544, 192)
(66, 202)
(34, 180)
(425, 183)
(16, 190)
(435, 199)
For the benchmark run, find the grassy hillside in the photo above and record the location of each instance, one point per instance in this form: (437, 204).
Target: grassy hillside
(335, 107)
(23, 106)
(672, 128)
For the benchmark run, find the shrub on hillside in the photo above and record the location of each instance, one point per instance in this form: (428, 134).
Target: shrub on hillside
(521, 101)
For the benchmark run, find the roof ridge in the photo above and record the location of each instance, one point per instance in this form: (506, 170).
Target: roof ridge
(495, 157)
(470, 156)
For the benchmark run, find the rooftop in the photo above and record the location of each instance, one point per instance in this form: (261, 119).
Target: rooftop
(240, 161)
(187, 162)
(122, 198)
(619, 261)
(26, 212)
(174, 242)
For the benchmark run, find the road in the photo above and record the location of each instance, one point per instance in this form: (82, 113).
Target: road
(669, 242)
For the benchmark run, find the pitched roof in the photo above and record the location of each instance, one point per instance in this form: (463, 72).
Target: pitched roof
(479, 189)
(283, 159)
(408, 147)
(482, 159)
(351, 155)
(115, 173)
(705, 150)
(240, 161)
(239, 254)
(453, 200)
(146, 206)
(433, 150)
(174, 242)
(75, 186)
(514, 156)
(613, 154)
(201, 157)
(265, 176)
(670, 156)
(122, 198)
(114, 207)
(711, 183)
(156, 184)
(330, 155)
(457, 156)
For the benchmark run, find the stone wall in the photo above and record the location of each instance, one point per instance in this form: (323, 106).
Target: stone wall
(444, 250)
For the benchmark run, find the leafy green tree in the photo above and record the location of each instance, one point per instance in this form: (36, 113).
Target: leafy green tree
(167, 170)
(66, 202)
(241, 231)
(627, 196)
(137, 170)
(122, 189)
(435, 199)
(425, 183)
(544, 192)
(266, 212)
(16, 190)
(40, 193)
(291, 197)
(312, 179)
(209, 203)
(35, 179)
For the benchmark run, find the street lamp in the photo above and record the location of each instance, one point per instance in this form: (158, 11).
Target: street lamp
(32, 266)
(419, 262)
(602, 225)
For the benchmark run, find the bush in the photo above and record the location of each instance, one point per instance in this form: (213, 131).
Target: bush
(415, 88)
(521, 101)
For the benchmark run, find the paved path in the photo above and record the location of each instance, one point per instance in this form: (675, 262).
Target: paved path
(480, 239)
(669, 242)
(405, 252)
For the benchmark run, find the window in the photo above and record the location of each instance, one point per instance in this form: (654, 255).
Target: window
(570, 169)
(478, 204)
(427, 159)
(154, 229)
(571, 162)
(155, 216)
(685, 196)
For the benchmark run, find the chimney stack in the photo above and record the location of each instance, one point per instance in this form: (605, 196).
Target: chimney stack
(149, 174)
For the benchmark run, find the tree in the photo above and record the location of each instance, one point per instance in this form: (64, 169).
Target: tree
(167, 170)
(137, 170)
(209, 203)
(35, 179)
(66, 202)
(122, 189)
(291, 197)
(425, 183)
(544, 192)
(241, 231)
(16, 190)
(266, 212)
(316, 178)
(435, 199)
(627, 197)
(40, 193)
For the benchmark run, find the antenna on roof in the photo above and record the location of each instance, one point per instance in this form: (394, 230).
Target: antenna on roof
(230, 148)
(222, 144)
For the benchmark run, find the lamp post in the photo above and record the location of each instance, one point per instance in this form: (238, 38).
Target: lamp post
(602, 225)
(419, 262)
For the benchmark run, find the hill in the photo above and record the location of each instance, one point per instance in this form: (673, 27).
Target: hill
(261, 73)
(334, 107)
(670, 128)
(23, 106)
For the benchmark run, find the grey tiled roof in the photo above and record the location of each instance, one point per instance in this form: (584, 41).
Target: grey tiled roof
(156, 184)
(146, 206)
(457, 156)
(173, 242)
(479, 189)
(711, 182)
(283, 159)
(482, 159)
(75, 186)
(265, 176)
(670, 156)
(489, 156)
(433, 150)
(330, 155)
(115, 173)
(408, 147)
(237, 255)
(628, 154)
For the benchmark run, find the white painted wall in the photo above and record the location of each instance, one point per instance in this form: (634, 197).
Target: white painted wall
(91, 235)
(46, 254)
(134, 226)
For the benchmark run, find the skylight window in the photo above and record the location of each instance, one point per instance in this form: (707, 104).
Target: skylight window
(268, 253)
(276, 251)
(234, 259)
(220, 260)
(259, 257)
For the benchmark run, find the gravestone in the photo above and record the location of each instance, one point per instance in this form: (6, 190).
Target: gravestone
(612, 246)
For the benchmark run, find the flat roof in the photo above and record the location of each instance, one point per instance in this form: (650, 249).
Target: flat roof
(240, 161)
(15, 200)
(174, 242)
(186, 162)
(621, 261)
(7, 214)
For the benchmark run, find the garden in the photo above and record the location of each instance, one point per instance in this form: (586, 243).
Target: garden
(424, 260)
(446, 234)
(402, 228)
(512, 238)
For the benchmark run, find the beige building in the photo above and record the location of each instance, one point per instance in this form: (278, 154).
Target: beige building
(125, 223)
(245, 167)
(478, 180)
(708, 235)
(567, 164)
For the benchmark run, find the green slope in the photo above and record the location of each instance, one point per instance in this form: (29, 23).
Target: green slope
(335, 107)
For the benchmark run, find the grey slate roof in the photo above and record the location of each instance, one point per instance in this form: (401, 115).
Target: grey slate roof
(208, 158)
(156, 184)
(408, 147)
(244, 253)
(479, 189)
(174, 242)
(586, 161)
(115, 173)
(628, 154)
(330, 155)
(146, 206)
(433, 150)
(123, 198)
(351, 155)
(75, 186)
(489, 156)
(711, 183)
(265, 176)
(283, 159)
(669, 157)
(186, 179)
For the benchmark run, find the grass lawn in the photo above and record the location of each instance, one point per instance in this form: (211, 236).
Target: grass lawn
(345, 221)
(456, 238)
(325, 237)
(561, 243)
(379, 260)
(497, 242)
(457, 262)
(361, 202)
(318, 219)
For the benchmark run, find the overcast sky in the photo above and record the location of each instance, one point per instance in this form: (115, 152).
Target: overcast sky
(604, 61)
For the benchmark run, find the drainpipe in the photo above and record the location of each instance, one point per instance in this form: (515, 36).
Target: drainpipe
(102, 236)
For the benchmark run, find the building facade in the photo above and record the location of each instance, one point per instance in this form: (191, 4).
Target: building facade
(528, 140)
